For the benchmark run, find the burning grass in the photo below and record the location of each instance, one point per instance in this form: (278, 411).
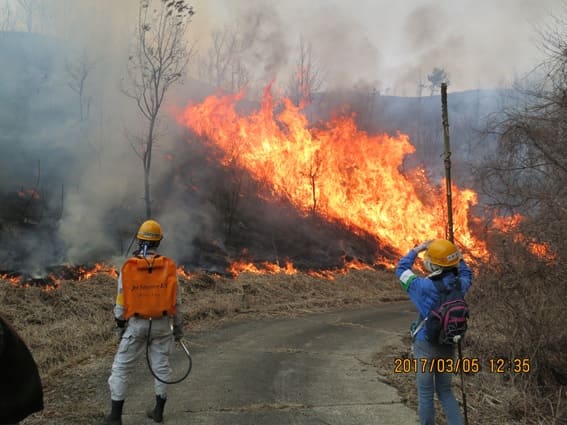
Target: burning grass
(333, 169)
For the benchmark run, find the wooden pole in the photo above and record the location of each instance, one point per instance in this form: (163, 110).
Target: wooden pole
(450, 234)
(445, 116)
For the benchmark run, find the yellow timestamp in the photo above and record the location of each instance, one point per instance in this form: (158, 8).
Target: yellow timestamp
(509, 365)
(465, 365)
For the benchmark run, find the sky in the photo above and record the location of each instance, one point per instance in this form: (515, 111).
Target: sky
(392, 45)
(387, 45)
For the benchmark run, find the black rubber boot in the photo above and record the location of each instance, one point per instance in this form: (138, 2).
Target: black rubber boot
(115, 417)
(157, 412)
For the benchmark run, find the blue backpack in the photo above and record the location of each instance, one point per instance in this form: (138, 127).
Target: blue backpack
(447, 321)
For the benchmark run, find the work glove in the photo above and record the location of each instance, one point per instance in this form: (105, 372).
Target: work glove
(422, 246)
(177, 332)
(120, 328)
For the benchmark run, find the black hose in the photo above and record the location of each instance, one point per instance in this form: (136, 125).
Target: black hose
(176, 381)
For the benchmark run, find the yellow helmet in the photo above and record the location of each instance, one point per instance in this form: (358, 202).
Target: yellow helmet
(150, 230)
(441, 253)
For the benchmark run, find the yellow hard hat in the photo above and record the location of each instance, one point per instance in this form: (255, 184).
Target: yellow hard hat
(150, 230)
(441, 253)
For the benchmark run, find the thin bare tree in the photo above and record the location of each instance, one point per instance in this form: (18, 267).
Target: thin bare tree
(160, 57)
(312, 174)
(29, 9)
(78, 72)
(223, 65)
(307, 76)
(6, 23)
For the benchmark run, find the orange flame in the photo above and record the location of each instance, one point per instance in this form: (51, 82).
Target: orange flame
(85, 273)
(238, 267)
(53, 280)
(355, 264)
(510, 224)
(47, 283)
(181, 272)
(338, 171)
(14, 280)
(264, 268)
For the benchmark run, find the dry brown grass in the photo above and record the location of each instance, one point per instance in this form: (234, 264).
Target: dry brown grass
(64, 324)
(251, 294)
(59, 325)
(69, 329)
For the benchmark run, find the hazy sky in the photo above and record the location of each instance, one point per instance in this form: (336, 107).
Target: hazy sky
(387, 44)
(391, 44)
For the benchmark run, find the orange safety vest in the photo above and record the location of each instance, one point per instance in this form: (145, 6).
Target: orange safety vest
(149, 287)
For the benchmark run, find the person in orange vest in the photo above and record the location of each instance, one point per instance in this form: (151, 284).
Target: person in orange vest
(148, 317)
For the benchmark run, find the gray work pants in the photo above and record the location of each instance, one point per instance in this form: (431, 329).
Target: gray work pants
(133, 346)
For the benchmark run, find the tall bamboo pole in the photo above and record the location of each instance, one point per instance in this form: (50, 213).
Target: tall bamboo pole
(445, 115)
(450, 234)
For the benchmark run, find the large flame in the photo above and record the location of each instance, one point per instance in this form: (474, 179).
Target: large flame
(336, 170)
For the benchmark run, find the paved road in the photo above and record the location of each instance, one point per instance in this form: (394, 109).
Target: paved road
(306, 370)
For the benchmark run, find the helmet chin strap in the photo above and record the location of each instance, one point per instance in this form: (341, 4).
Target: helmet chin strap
(434, 269)
(435, 273)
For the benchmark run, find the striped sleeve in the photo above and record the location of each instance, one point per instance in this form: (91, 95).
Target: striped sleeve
(404, 269)
(406, 278)
(119, 305)
(178, 318)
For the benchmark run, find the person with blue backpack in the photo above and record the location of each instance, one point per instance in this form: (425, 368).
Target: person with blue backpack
(439, 299)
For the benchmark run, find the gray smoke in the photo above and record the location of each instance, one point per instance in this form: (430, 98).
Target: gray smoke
(76, 152)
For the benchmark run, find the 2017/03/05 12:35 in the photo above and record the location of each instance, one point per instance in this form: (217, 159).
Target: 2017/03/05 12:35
(465, 365)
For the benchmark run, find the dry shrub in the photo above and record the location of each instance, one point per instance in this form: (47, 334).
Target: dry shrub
(517, 304)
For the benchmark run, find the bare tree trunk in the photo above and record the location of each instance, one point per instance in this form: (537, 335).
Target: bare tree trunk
(159, 60)
(313, 179)
(147, 168)
(28, 6)
(147, 192)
